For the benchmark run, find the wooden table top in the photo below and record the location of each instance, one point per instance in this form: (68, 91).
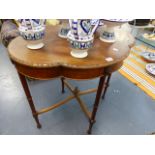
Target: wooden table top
(56, 51)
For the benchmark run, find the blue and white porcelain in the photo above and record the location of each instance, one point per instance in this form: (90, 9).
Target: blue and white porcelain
(81, 36)
(108, 34)
(95, 21)
(82, 28)
(32, 30)
(149, 56)
(64, 28)
(150, 68)
(80, 48)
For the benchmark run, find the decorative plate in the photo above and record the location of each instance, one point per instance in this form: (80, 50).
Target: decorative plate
(151, 68)
(149, 56)
(149, 36)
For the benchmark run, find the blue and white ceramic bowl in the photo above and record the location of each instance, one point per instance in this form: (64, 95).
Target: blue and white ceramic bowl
(80, 47)
(32, 34)
(32, 30)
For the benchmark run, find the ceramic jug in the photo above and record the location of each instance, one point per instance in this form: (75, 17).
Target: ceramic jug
(32, 30)
(81, 36)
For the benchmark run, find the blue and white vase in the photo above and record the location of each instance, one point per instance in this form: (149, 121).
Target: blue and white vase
(81, 36)
(108, 33)
(32, 30)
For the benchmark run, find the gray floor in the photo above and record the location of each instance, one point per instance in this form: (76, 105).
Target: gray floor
(125, 110)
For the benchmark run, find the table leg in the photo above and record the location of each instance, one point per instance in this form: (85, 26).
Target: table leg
(62, 84)
(106, 86)
(29, 98)
(97, 100)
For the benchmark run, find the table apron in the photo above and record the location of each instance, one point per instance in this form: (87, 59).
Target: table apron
(72, 73)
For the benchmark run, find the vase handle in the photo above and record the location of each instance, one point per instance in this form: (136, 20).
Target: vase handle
(95, 27)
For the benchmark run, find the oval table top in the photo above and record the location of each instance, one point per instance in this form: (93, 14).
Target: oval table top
(56, 51)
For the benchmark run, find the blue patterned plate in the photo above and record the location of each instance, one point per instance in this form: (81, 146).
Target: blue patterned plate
(149, 56)
(151, 68)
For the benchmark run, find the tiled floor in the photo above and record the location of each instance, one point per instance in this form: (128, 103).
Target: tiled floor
(125, 110)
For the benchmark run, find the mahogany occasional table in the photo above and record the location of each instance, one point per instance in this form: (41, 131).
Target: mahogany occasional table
(54, 60)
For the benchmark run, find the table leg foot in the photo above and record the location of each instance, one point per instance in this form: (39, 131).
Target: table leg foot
(37, 121)
(91, 122)
(89, 132)
(39, 126)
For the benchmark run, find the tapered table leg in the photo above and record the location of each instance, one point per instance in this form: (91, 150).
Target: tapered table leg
(29, 98)
(62, 84)
(106, 86)
(97, 100)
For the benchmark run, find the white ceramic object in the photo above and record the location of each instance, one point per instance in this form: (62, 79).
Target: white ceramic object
(150, 37)
(33, 45)
(151, 68)
(32, 30)
(64, 29)
(79, 53)
(149, 56)
(108, 34)
(81, 36)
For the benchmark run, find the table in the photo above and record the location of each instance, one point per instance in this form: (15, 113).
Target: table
(54, 60)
